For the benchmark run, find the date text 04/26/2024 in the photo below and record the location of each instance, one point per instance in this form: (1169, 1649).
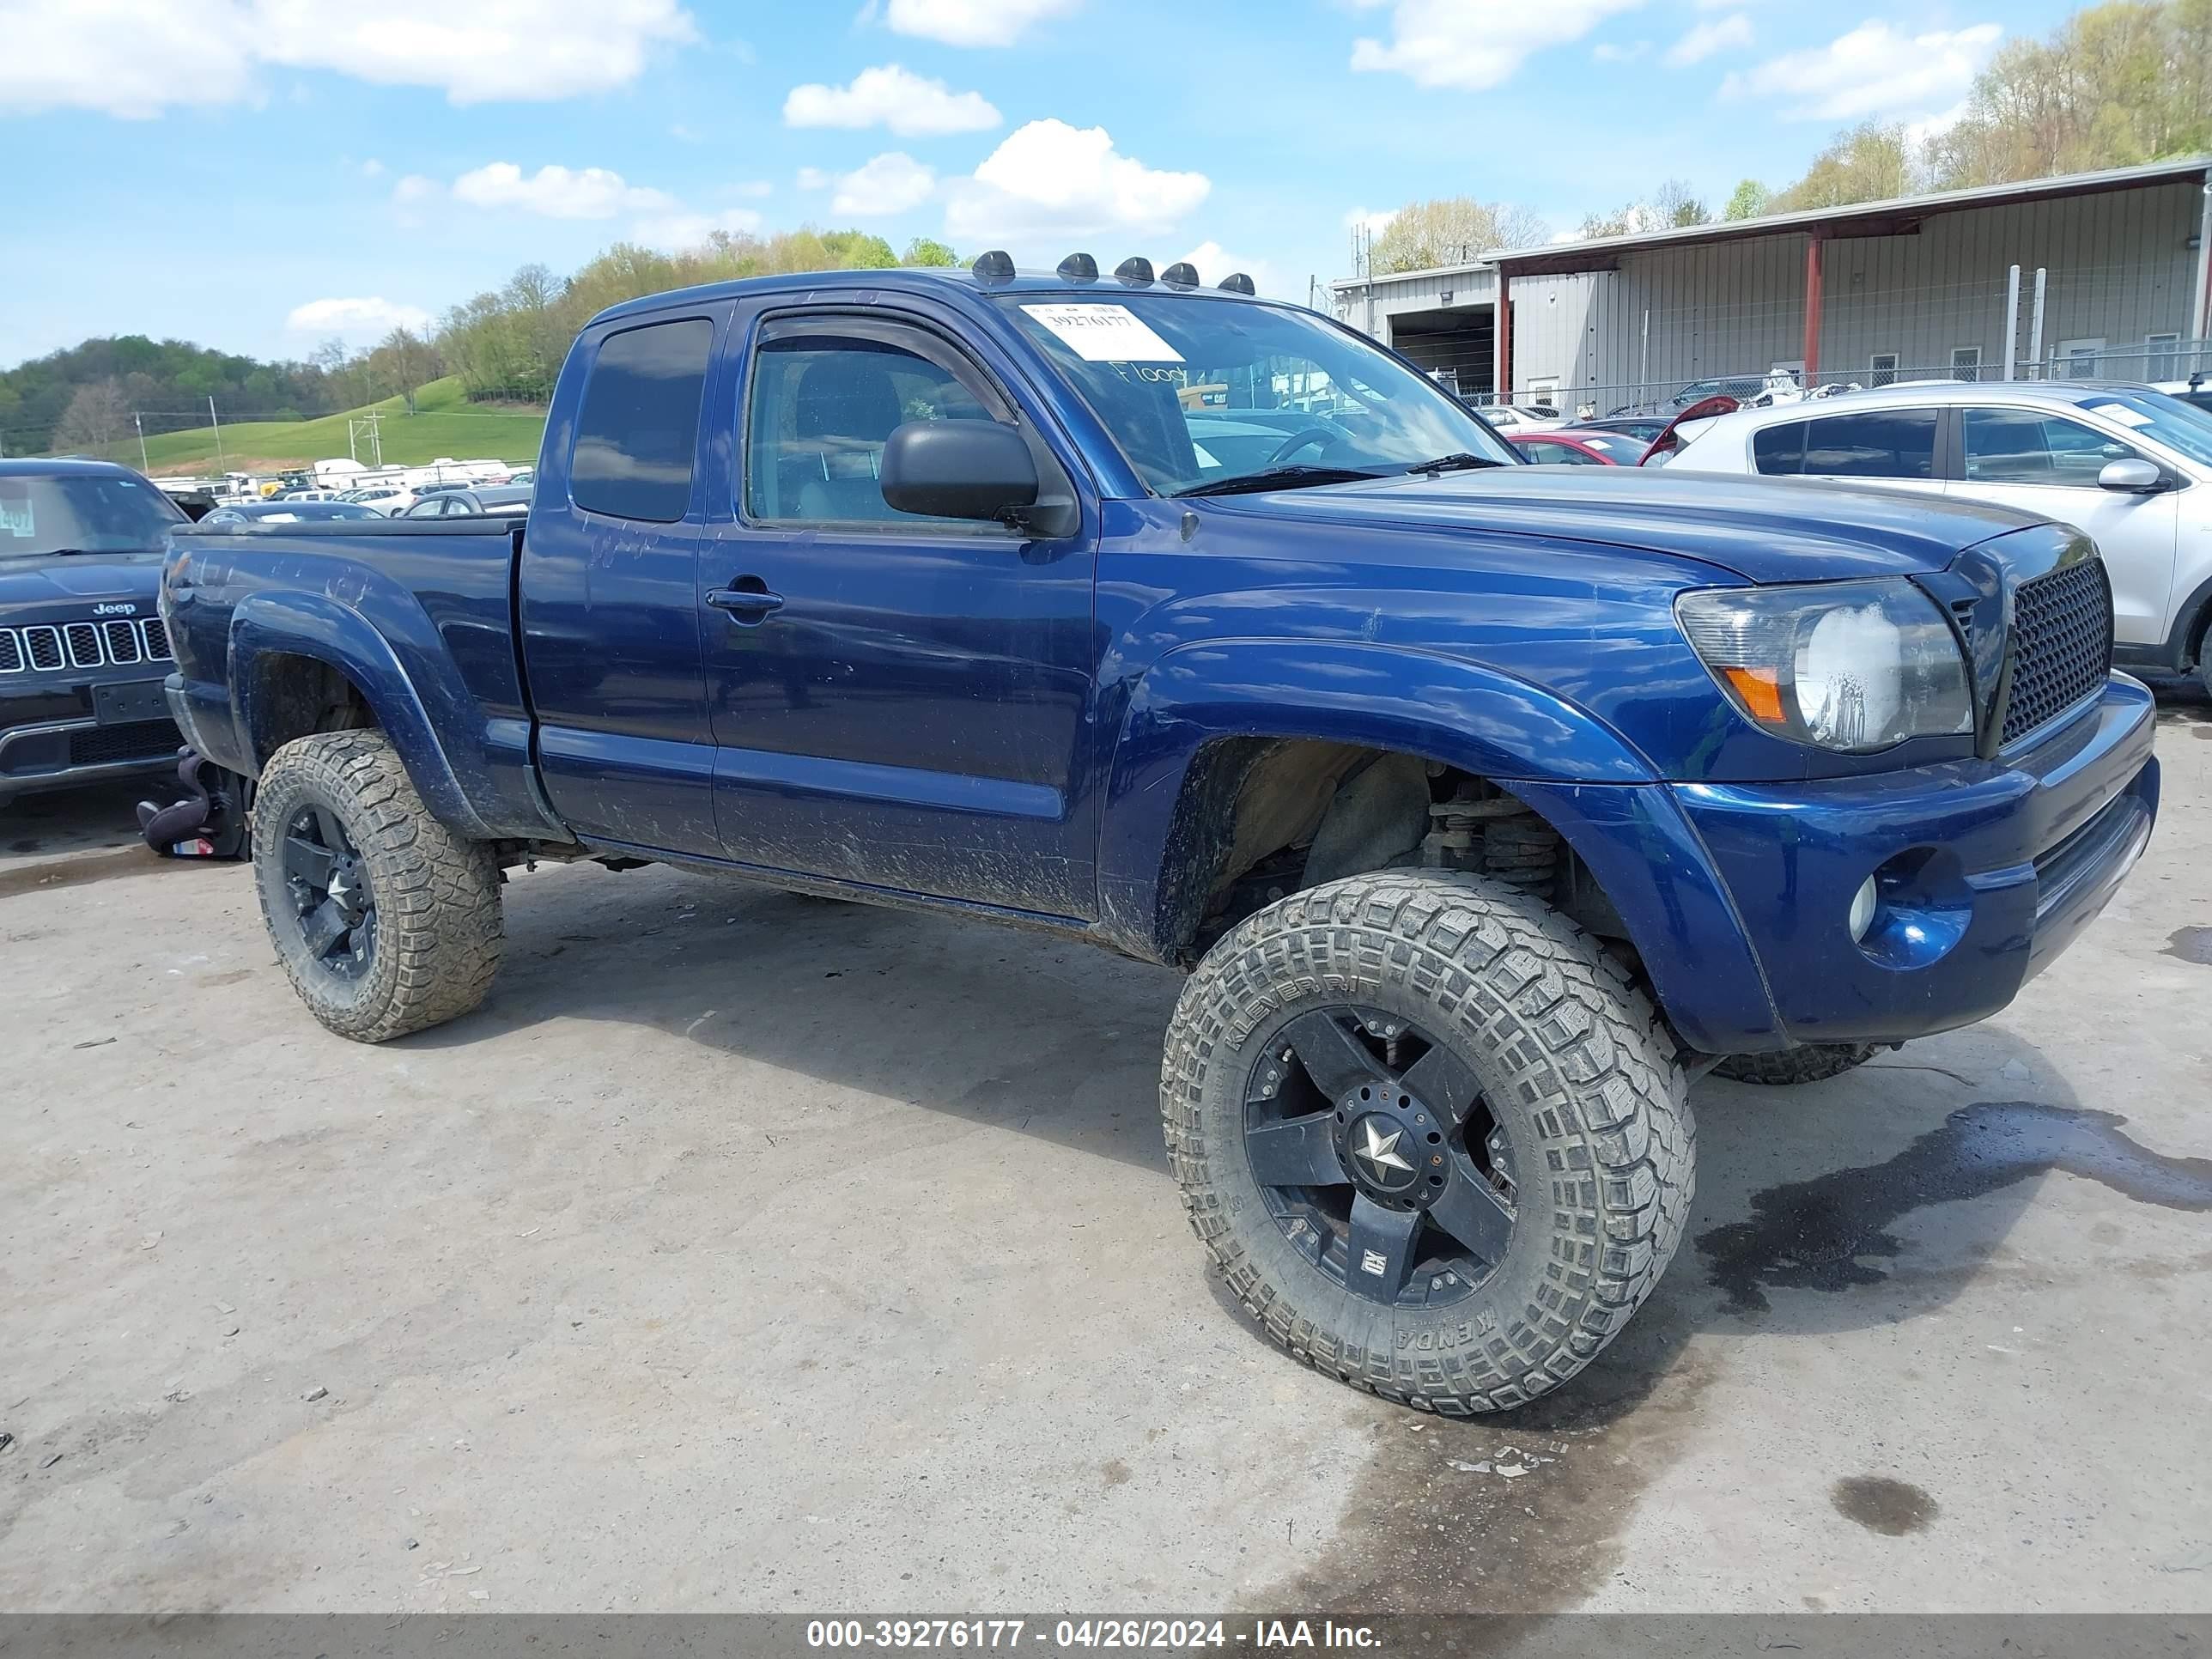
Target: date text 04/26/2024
(1165, 1635)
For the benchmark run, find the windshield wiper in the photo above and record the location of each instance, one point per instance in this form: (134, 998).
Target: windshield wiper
(1296, 476)
(1458, 461)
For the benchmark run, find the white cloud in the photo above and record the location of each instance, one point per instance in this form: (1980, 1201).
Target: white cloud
(1609, 51)
(1473, 45)
(556, 192)
(679, 231)
(1872, 70)
(1373, 221)
(414, 187)
(752, 187)
(1704, 40)
(131, 59)
(372, 169)
(971, 22)
(892, 97)
(890, 183)
(134, 58)
(1049, 179)
(815, 179)
(355, 319)
(1214, 262)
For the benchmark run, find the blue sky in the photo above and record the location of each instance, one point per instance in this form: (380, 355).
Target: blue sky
(261, 174)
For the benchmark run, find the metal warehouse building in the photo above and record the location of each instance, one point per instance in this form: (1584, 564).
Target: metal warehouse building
(2113, 272)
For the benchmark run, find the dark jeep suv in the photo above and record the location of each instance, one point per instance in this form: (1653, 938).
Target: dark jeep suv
(83, 654)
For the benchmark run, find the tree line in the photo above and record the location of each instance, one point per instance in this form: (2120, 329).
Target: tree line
(2117, 84)
(507, 343)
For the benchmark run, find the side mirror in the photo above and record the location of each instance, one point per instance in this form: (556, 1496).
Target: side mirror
(2132, 476)
(958, 470)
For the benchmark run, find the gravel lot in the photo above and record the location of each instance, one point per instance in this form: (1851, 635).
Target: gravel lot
(749, 1253)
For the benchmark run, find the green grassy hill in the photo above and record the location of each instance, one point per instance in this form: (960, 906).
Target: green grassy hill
(445, 423)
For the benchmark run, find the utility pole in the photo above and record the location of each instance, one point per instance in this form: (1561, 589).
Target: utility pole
(139, 421)
(219, 462)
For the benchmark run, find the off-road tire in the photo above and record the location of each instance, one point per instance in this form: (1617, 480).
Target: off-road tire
(1574, 1064)
(1816, 1062)
(439, 929)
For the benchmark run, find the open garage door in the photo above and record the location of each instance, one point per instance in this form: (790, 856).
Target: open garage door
(1457, 345)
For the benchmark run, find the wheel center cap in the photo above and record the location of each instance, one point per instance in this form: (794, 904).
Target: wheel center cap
(1381, 1151)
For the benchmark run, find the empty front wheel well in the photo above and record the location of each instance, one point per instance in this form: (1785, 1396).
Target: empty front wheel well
(1259, 818)
(295, 696)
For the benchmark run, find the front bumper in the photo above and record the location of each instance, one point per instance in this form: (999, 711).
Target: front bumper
(63, 753)
(1986, 870)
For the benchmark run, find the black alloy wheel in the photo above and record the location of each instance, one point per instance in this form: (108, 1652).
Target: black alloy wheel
(333, 902)
(1377, 1156)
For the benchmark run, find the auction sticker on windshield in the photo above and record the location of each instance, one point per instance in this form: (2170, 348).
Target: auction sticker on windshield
(16, 516)
(1105, 334)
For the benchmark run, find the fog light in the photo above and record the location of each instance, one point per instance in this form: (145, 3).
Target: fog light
(1861, 916)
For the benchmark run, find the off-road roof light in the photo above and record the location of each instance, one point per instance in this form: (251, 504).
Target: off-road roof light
(994, 267)
(1079, 268)
(1135, 271)
(1179, 275)
(1236, 283)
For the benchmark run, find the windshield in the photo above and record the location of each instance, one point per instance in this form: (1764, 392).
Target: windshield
(2180, 427)
(43, 515)
(1199, 393)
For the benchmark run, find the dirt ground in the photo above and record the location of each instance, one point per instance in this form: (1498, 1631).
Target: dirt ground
(749, 1253)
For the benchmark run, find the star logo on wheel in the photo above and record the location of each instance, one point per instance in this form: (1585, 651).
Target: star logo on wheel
(1381, 1152)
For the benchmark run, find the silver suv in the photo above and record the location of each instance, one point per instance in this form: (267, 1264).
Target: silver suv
(2129, 467)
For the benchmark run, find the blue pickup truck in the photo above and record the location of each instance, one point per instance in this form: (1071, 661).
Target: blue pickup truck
(1485, 803)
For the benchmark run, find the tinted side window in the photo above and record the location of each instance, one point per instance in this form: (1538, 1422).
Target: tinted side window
(824, 405)
(2017, 445)
(1890, 443)
(638, 430)
(1779, 449)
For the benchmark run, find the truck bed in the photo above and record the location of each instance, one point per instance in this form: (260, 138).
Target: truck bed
(417, 611)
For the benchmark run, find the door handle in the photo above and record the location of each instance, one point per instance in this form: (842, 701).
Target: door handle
(747, 601)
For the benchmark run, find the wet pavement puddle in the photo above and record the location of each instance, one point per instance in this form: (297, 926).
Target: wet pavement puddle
(1814, 1235)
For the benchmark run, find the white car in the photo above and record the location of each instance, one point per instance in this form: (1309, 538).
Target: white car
(387, 499)
(1507, 418)
(2129, 467)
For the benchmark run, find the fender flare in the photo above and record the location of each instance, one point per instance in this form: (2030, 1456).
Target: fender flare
(1603, 797)
(315, 626)
(1460, 714)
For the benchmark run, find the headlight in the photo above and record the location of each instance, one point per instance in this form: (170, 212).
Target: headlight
(1849, 665)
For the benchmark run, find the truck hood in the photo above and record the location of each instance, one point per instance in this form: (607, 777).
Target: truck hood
(1764, 530)
(65, 589)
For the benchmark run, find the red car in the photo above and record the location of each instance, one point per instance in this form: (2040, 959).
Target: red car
(1579, 447)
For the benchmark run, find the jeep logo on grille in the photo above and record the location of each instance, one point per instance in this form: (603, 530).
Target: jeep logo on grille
(117, 610)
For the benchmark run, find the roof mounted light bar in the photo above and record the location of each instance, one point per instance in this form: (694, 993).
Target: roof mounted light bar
(996, 268)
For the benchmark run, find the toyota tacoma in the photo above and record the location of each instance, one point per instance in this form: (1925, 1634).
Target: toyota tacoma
(1484, 804)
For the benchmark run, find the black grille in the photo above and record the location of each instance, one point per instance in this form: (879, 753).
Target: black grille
(44, 647)
(83, 645)
(157, 637)
(122, 638)
(11, 652)
(103, 745)
(2062, 644)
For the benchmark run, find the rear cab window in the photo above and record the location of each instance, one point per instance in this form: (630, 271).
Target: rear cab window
(637, 430)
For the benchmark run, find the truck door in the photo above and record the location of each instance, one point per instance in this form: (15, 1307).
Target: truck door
(609, 609)
(896, 700)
